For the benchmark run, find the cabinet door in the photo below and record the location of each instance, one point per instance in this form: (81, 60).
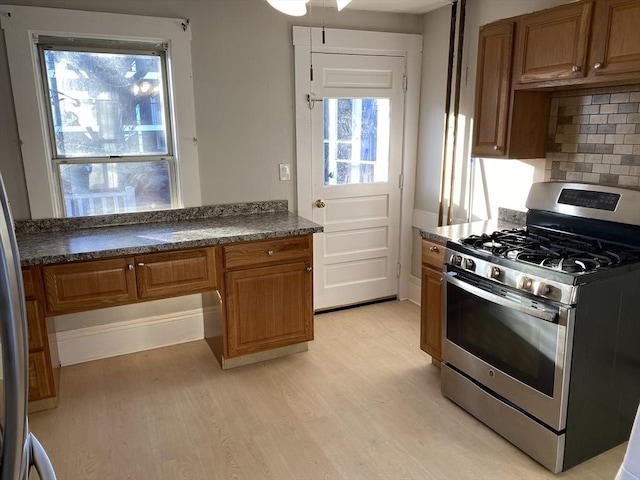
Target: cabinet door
(431, 313)
(41, 384)
(86, 285)
(268, 307)
(493, 83)
(170, 274)
(552, 44)
(615, 47)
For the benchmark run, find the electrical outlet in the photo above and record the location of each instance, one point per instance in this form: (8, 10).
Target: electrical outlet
(285, 171)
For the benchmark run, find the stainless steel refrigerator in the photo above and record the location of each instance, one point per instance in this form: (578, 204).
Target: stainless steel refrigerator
(20, 451)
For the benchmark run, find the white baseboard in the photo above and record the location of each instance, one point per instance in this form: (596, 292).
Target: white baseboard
(415, 289)
(104, 341)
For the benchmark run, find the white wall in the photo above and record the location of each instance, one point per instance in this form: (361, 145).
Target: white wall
(242, 57)
(243, 81)
(435, 31)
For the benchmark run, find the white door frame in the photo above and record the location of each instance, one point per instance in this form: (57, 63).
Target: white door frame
(408, 46)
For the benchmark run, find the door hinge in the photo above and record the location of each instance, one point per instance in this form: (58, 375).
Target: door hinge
(401, 181)
(398, 267)
(404, 83)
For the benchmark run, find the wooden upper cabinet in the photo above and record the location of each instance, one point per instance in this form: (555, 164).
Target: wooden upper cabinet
(615, 48)
(553, 44)
(507, 123)
(493, 82)
(170, 274)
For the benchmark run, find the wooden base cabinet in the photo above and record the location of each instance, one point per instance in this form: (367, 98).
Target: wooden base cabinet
(431, 308)
(268, 307)
(268, 294)
(43, 358)
(82, 286)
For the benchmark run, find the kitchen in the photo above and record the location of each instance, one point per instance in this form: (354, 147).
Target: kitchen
(223, 38)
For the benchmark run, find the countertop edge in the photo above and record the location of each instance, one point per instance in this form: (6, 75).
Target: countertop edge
(165, 247)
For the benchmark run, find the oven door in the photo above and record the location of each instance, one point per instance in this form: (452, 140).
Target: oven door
(511, 345)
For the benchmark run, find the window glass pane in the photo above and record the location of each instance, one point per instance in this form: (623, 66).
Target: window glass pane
(106, 104)
(356, 140)
(103, 188)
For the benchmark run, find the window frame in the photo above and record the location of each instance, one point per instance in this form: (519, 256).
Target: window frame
(24, 24)
(79, 44)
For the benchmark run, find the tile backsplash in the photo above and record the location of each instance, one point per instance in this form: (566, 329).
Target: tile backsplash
(594, 136)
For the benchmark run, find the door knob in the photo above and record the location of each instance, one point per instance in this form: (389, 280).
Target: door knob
(320, 204)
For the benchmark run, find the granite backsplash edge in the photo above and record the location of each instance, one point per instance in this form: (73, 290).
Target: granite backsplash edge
(175, 215)
(512, 216)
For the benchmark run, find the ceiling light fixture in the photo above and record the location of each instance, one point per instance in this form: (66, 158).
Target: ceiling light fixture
(298, 8)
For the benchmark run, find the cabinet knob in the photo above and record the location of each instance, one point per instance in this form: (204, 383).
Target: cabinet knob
(309, 268)
(575, 69)
(434, 249)
(141, 264)
(496, 148)
(130, 267)
(597, 66)
(270, 253)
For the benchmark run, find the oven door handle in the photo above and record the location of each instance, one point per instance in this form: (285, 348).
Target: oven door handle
(491, 297)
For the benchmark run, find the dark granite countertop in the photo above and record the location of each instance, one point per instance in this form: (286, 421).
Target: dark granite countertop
(507, 219)
(65, 240)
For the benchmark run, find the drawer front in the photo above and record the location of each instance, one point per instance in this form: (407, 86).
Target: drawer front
(87, 285)
(175, 273)
(433, 253)
(267, 252)
(41, 384)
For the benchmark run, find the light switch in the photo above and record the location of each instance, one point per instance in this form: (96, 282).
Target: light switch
(285, 171)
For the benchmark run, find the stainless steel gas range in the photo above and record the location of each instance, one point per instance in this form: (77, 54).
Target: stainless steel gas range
(542, 324)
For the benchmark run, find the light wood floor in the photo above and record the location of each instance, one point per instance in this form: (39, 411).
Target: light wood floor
(363, 403)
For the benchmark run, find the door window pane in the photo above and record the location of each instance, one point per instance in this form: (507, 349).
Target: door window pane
(104, 188)
(356, 140)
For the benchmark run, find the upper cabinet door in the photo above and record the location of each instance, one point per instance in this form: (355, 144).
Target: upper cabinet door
(552, 44)
(615, 47)
(493, 82)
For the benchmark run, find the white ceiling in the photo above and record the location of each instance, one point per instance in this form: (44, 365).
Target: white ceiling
(396, 6)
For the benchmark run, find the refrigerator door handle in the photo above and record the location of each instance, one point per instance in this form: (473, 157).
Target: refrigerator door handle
(40, 460)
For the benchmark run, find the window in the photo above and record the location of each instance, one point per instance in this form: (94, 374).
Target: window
(108, 118)
(356, 140)
(105, 110)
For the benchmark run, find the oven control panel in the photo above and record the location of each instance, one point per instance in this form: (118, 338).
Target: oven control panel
(513, 278)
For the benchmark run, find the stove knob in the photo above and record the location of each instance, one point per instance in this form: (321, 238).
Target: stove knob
(456, 260)
(469, 264)
(542, 289)
(494, 272)
(525, 283)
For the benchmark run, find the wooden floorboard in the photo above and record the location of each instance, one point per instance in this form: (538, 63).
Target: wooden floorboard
(363, 403)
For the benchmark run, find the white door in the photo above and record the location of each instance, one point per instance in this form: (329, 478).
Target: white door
(356, 162)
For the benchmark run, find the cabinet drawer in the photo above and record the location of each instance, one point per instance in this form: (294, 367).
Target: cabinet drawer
(433, 253)
(40, 377)
(175, 273)
(267, 252)
(86, 285)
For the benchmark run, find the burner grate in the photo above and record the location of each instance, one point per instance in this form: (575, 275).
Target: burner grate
(556, 250)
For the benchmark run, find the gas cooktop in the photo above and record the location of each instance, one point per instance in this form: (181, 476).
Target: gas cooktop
(555, 250)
